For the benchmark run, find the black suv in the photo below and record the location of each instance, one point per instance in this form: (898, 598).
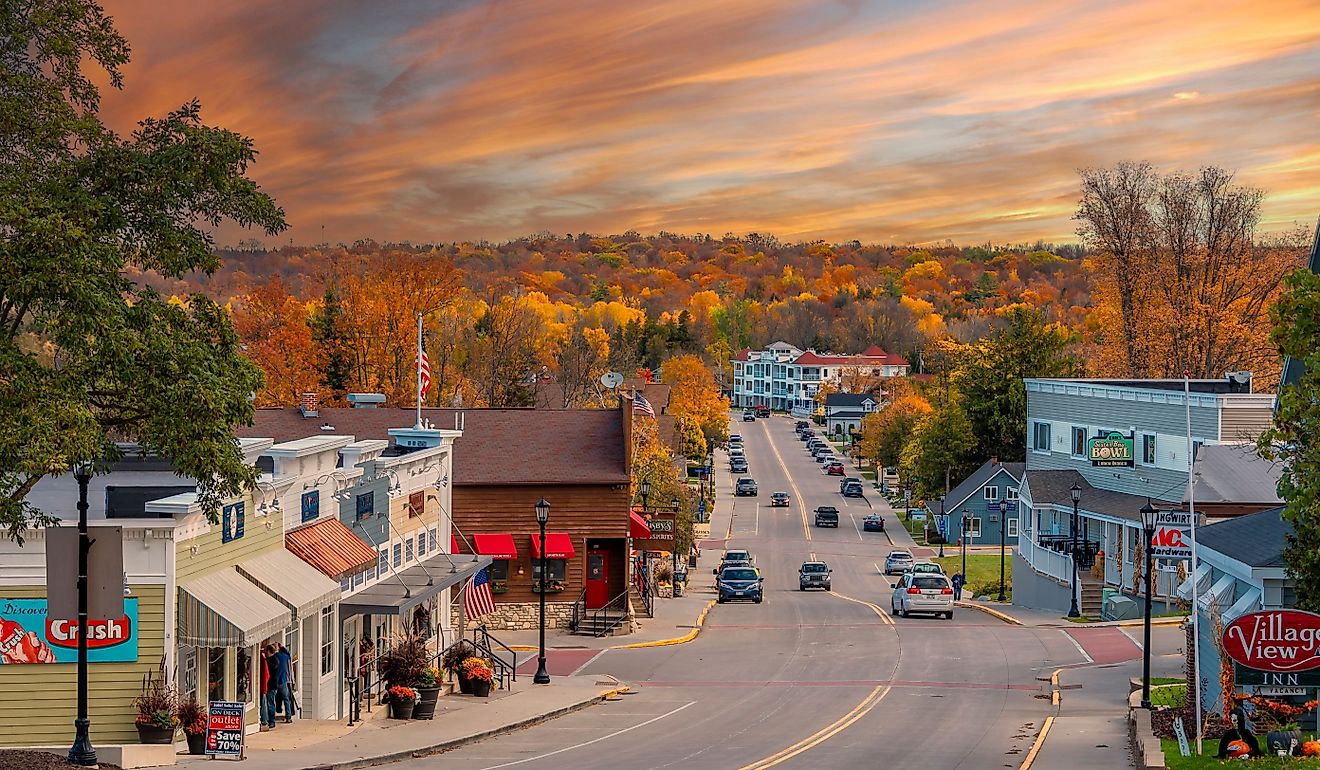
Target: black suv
(745, 487)
(827, 516)
(814, 574)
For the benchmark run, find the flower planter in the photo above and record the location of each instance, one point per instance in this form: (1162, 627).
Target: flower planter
(481, 688)
(402, 709)
(426, 700)
(155, 735)
(196, 743)
(464, 683)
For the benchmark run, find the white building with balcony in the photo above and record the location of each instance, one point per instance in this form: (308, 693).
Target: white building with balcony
(787, 378)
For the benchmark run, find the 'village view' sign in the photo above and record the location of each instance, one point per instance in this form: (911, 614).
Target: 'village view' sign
(1275, 647)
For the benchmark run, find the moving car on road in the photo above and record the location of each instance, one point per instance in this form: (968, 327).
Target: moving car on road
(834, 468)
(762, 410)
(801, 425)
(735, 438)
(827, 516)
(873, 523)
(852, 488)
(733, 559)
(779, 500)
(749, 415)
(746, 487)
(915, 592)
(897, 562)
(736, 450)
(740, 583)
(738, 465)
(814, 574)
(924, 567)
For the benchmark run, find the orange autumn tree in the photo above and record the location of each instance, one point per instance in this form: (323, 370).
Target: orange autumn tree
(273, 327)
(694, 398)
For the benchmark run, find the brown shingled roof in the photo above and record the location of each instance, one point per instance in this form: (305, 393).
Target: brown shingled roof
(498, 446)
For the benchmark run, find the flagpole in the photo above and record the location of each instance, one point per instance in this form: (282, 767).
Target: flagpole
(417, 363)
(1191, 508)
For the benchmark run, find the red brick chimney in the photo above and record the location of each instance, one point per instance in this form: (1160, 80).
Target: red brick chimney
(994, 460)
(310, 404)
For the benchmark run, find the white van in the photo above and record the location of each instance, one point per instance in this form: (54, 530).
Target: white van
(736, 450)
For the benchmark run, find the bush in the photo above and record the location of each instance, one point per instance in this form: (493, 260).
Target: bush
(404, 662)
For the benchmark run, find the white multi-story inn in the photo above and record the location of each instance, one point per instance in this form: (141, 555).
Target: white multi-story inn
(788, 378)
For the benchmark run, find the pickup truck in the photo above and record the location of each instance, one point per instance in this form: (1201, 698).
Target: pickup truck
(827, 516)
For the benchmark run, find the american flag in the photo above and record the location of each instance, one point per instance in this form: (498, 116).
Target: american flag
(640, 404)
(424, 368)
(477, 599)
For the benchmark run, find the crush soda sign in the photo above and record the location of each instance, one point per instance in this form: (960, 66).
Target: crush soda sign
(29, 635)
(1281, 641)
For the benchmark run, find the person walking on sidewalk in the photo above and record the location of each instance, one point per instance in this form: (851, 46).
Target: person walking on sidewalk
(283, 682)
(267, 691)
(958, 582)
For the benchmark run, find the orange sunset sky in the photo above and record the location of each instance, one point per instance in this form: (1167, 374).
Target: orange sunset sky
(889, 122)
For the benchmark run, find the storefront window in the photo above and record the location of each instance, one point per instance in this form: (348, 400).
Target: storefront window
(327, 640)
(215, 676)
(243, 669)
(555, 569)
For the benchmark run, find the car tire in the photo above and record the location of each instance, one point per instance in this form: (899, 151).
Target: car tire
(827, 587)
(757, 600)
(719, 600)
(802, 588)
(948, 616)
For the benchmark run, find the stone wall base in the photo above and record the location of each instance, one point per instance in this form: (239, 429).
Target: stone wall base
(522, 616)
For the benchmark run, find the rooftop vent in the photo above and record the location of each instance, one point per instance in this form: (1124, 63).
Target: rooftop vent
(366, 400)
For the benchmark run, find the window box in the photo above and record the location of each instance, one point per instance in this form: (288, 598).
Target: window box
(551, 586)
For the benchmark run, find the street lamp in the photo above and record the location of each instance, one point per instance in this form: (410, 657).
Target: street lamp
(1003, 517)
(962, 538)
(645, 489)
(944, 532)
(542, 516)
(1076, 491)
(82, 751)
(673, 550)
(1148, 515)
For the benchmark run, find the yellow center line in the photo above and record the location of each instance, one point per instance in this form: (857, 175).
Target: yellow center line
(824, 734)
(797, 493)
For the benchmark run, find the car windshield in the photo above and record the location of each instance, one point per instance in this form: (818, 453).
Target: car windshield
(926, 568)
(738, 573)
(814, 568)
(929, 582)
(735, 556)
(823, 509)
(901, 556)
(780, 495)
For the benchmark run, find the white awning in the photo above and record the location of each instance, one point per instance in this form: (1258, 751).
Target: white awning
(1250, 602)
(1221, 593)
(295, 583)
(224, 609)
(1202, 578)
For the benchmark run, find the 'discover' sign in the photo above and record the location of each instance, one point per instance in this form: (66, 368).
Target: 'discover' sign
(29, 635)
(1279, 641)
(224, 729)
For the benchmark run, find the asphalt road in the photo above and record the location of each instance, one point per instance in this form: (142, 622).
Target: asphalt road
(805, 680)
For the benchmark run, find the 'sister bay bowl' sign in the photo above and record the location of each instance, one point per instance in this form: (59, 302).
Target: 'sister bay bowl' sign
(1279, 641)
(1113, 450)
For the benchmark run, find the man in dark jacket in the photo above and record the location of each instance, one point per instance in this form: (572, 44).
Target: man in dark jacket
(283, 681)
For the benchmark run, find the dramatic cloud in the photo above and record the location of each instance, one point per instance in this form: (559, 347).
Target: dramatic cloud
(881, 121)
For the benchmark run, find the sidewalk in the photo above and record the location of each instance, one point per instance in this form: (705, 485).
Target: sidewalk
(459, 720)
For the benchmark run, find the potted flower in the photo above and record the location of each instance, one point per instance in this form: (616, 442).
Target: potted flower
(428, 691)
(481, 674)
(156, 718)
(402, 700)
(403, 662)
(452, 661)
(192, 718)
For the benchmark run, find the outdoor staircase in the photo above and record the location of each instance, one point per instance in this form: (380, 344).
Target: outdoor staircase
(604, 623)
(1090, 601)
(638, 603)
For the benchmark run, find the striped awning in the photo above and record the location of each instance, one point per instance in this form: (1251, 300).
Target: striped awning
(292, 581)
(225, 609)
(331, 548)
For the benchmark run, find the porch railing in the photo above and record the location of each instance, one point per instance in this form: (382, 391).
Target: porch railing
(1046, 560)
(601, 620)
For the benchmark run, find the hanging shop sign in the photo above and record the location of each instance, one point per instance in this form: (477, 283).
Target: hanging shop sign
(1274, 648)
(1173, 535)
(1112, 450)
(29, 635)
(662, 533)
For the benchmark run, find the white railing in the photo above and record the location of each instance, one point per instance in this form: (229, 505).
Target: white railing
(1046, 561)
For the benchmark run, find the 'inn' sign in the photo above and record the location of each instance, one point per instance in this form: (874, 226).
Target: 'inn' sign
(1275, 640)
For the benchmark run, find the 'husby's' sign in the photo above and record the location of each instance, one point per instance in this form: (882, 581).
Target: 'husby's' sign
(1276, 640)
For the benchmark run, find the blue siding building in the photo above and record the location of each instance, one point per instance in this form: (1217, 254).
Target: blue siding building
(978, 498)
(1062, 415)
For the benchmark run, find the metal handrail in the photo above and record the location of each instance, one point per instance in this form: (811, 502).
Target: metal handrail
(486, 639)
(503, 671)
(602, 630)
(579, 609)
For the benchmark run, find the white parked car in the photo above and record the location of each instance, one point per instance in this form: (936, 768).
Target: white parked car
(922, 592)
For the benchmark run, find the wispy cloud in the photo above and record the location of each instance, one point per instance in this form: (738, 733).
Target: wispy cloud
(887, 121)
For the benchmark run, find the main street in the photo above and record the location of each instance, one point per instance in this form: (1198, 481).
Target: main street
(806, 680)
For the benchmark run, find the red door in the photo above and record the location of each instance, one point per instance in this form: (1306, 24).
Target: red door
(598, 578)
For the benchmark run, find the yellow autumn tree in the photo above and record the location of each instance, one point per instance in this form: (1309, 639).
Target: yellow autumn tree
(694, 396)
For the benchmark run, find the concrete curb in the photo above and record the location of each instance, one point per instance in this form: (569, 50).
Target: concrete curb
(685, 638)
(454, 743)
(990, 611)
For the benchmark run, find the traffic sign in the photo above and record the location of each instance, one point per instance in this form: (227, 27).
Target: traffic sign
(943, 519)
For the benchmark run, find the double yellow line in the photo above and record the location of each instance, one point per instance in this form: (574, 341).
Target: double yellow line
(811, 741)
(797, 493)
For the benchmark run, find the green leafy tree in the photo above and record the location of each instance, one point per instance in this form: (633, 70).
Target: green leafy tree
(330, 333)
(989, 374)
(1293, 440)
(940, 450)
(88, 358)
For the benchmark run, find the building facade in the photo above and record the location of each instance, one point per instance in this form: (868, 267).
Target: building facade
(975, 510)
(787, 378)
(1063, 415)
(844, 412)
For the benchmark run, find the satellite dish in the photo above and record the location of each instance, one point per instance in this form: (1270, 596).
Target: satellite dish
(611, 380)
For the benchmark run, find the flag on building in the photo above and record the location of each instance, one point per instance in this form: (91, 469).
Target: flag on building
(640, 404)
(477, 599)
(423, 368)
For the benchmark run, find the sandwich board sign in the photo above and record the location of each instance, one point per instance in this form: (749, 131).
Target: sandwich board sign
(224, 729)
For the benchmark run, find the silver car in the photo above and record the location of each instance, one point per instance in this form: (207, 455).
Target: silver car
(897, 562)
(919, 592)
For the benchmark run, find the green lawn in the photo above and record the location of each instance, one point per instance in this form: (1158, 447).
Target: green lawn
(1171, 695)
(982, 571)
(1174, 760)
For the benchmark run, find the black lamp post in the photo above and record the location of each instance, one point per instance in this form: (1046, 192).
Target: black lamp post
(1003, 517)
(542, 516)
(1148, 514)
(645, 489)
(673, 551)
(82, 752)
(1073, 611)
(962, 537)
(944, 534)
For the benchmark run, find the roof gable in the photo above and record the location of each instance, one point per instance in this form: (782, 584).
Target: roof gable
(978, 479)
(1256, 540)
